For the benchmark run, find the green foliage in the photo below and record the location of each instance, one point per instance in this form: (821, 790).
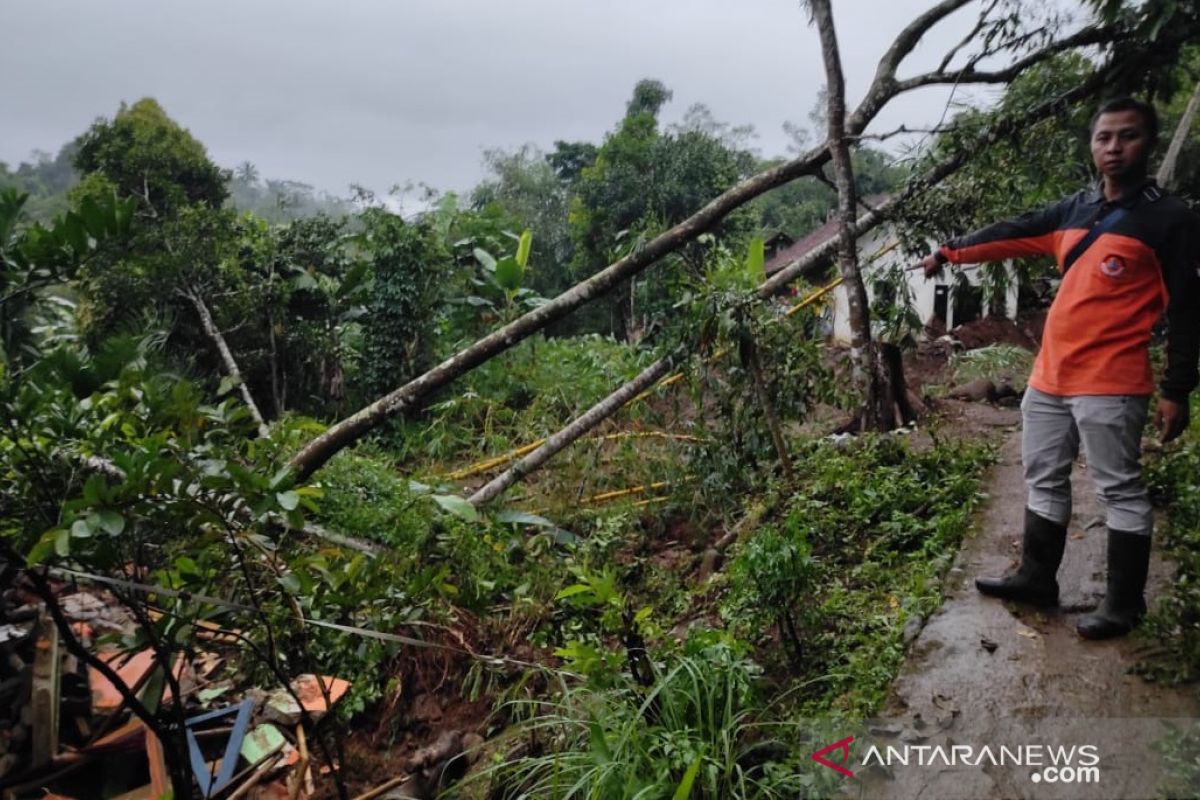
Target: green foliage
(993, 362)
(641, 182)
(46, 180)
(724, 314)
(37, 259)
(364, 495)
(1179, 752)
(570, 158)
(893, 318)
(870, 526)
(800, 207)
(694, 733)
(408, 271)
(146, 154)
(298, 294)
(524, 186)
(770, 579)
(511, 401)
(109, 459)
(1174, 623)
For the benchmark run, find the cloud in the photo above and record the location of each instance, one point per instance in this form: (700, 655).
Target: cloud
(379, 92)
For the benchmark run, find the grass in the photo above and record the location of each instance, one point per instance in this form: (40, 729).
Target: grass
(883, 522)
(697, 732)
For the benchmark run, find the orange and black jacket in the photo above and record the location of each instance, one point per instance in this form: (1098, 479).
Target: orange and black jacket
(1097, 334)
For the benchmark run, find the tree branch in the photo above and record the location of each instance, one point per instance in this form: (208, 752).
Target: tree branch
(577, 428)
(349, 430)
(1166, 172)
(1086, 36)
(979, 25)
(934, 174)
(214, 333)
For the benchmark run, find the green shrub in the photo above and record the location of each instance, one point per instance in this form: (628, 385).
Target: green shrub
(695, 733)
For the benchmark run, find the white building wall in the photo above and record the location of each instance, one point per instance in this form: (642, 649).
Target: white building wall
(877, 252)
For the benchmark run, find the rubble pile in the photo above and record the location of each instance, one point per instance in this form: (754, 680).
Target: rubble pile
(67, 731)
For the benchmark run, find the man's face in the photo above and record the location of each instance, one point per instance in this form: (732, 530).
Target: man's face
(1121, 145)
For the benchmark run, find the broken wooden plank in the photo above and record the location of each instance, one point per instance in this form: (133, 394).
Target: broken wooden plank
(45, 700)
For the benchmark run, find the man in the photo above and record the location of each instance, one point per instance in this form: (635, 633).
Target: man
(1127, 252)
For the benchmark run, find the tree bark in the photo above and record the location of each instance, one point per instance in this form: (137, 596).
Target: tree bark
(214, 333)
(862, 351)
(577, 428)
(1166, 172)
(276, 396)
(750, 356)
(883, 88)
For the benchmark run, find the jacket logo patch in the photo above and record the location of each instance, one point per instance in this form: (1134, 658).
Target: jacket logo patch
(1113, 266)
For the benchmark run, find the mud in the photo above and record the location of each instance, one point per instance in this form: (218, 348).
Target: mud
(983, 673)
(995, 330)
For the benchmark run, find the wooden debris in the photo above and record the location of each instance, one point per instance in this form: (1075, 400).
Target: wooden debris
(281, 707)
(134, 671)
(47, 664)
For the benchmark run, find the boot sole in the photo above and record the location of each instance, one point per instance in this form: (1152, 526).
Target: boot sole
(1042, 601)
(1107, 633)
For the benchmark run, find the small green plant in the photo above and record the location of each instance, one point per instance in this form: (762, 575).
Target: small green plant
(1179, 752)
(1174, 621)
(696, 732)
(770, 578)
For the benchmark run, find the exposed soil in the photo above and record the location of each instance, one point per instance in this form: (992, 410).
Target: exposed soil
(983, 673)
(1025, 333)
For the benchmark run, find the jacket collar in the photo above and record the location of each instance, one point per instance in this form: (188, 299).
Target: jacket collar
(1130, 198)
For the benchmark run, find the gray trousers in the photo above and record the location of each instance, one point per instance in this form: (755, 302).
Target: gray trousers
(1110, 428)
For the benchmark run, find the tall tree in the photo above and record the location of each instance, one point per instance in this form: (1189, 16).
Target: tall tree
(144, 153)
(862, 350)
(643, 180)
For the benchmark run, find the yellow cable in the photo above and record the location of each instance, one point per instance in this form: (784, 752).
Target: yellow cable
(512, 455)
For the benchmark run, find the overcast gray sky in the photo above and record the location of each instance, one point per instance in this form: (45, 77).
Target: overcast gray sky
(379, 93)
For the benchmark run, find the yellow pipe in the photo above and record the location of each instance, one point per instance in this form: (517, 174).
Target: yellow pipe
(604, 497)
(492, 463)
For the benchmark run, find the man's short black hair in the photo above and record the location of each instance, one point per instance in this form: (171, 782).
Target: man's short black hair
(1148, 112)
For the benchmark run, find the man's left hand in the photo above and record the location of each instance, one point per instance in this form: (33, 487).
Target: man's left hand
(1170, 419)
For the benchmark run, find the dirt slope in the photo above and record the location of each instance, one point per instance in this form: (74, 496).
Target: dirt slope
(1033, 681)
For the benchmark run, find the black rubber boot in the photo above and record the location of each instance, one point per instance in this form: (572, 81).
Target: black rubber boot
(1034, 580)
(1125, 603)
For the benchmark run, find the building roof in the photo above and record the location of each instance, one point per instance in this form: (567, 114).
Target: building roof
(815, 238)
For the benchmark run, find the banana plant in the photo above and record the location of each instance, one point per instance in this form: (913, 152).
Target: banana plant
(507, 274)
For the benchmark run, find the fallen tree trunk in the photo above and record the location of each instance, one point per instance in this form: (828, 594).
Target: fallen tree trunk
(577, 428)
(884, 87)
(894, 391)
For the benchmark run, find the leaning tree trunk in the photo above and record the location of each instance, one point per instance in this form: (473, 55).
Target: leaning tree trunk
(577, 428)
(862, 351)
(1166, 172)
(884, 87)
(235, 374)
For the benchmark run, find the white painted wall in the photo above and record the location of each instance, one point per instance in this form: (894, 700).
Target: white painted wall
(875, 255)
